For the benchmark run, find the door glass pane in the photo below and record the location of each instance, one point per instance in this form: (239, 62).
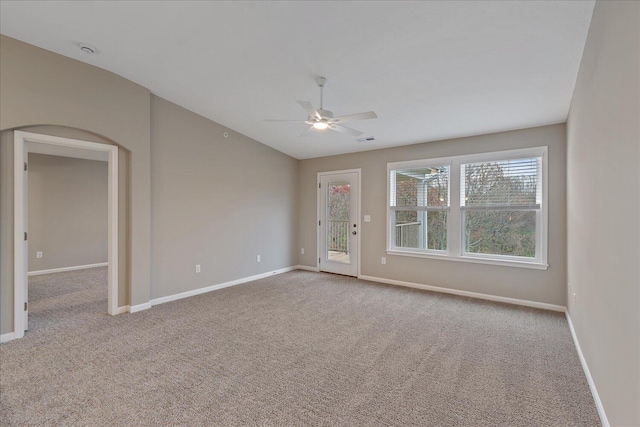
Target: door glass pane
(338, 206)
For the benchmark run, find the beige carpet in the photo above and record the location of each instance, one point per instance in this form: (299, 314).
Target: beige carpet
(299, 348)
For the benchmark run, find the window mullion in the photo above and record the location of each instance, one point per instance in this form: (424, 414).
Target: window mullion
(454, 224)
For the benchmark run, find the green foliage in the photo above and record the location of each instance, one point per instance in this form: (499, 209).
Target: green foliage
(501, 232)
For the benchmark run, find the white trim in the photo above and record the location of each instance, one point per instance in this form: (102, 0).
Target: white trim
(19, 258)
(61, 269)
(7, 337)
(587, 373)
(515, 301)
(139, 307)
(199, 291)
(21, 139)
(475, 260)
(306, 267)
(112, 246)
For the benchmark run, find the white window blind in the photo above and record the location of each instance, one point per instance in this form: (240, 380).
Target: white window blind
(420, 188)
(502, 185)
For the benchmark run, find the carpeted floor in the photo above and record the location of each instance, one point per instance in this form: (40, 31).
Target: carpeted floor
(299, 348)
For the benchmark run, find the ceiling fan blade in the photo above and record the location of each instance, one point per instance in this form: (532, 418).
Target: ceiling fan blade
(346, 130)
(353, 117)
(287, 121)
(306, 132)
(309, 109)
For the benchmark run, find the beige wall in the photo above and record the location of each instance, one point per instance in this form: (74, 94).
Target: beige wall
(534, 285)
(67, 207)
(603, 170)
(217, 202)
(207, 209)
(42, 88)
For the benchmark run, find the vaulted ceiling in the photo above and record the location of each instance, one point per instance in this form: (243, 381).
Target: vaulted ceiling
(431, 70)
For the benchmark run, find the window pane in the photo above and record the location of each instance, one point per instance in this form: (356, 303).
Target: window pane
(501, 232)
(338, 208)
(410, 230)
(437, 230)
(407, 229)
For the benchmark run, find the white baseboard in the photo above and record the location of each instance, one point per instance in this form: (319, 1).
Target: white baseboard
(61, 269)
(507, 300)
(587, 373)
(139, 307)
(305, 267)
(194, 292)
(9, 336)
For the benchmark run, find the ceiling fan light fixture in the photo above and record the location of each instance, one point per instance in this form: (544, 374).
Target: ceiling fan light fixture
(320, 125)
(321, 119)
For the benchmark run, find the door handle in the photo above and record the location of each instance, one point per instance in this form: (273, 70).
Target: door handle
(354, 232)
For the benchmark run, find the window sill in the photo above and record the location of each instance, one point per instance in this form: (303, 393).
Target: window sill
(473, 260)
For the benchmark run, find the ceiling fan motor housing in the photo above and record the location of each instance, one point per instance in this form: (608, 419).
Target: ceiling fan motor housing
(325, 114)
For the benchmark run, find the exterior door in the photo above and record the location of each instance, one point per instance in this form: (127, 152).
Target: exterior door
(339, 225)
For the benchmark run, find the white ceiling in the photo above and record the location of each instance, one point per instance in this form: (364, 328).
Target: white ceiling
(431, 70)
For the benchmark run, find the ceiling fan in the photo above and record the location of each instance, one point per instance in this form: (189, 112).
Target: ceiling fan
(323, 119)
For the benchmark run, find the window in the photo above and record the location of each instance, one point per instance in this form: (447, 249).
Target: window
(419, 205)
(500, 203)
(488, 208)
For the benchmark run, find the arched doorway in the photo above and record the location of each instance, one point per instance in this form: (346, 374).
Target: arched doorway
(23, 143)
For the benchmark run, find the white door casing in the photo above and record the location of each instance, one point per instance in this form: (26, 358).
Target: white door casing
(110, 153)
(25, 216)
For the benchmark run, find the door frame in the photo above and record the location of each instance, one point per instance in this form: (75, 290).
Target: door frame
(357, 171)
(21, 139)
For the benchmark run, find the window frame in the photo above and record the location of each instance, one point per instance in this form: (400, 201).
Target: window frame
(455, 219)
(432, 163)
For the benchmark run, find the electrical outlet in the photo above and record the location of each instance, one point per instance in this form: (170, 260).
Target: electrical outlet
(197, 268)
(383, 260)
(257, 258)
(574, 297)
(38, 254)
(302, 251)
